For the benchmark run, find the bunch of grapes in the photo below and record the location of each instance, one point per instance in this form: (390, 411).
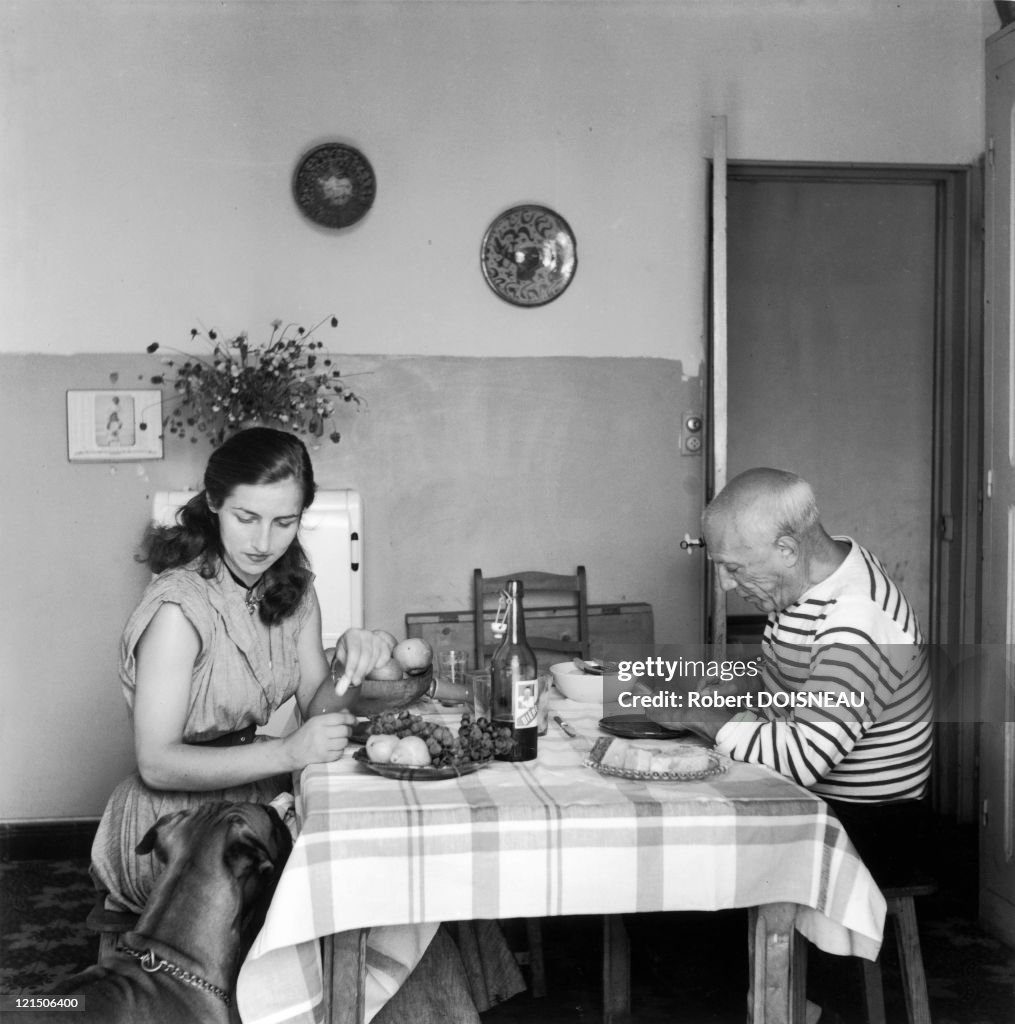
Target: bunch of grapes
(476, 740)
(480, 740)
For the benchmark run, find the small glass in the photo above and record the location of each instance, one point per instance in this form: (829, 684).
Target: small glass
(451, 666)
(478, 681)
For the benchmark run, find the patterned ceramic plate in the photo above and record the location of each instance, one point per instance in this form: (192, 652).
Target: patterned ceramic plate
(407, 774)
(528, 255)
(334, 185)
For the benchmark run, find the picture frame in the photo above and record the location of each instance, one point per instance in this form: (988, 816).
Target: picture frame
(114, 425)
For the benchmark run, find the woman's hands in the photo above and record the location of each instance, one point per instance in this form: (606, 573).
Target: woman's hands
(359, 652)
(321, 738)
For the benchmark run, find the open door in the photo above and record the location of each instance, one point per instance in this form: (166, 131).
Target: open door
(997, 728)
(715, 461)
(841, 348)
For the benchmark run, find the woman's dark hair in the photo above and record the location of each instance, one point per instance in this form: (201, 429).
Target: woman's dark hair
(259, 455)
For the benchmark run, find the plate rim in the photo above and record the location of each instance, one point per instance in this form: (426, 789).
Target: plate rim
(718, 767)
(416, 774)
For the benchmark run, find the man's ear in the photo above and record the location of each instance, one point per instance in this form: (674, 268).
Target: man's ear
(789, 549)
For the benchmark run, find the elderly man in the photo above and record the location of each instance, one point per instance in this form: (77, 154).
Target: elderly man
(845, 699)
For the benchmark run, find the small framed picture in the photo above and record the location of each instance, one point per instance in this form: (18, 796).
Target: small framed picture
(114, 426)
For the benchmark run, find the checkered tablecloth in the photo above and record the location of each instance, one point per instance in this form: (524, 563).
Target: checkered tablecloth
(544, 838)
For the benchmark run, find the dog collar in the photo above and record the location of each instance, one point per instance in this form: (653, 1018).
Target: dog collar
(151, 963)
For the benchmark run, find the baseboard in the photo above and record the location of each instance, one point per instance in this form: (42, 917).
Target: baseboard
(47, 840)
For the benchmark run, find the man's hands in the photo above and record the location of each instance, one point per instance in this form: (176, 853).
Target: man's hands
(701, 720)
(704, 722)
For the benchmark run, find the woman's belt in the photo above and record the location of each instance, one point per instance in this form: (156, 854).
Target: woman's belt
(229, 739)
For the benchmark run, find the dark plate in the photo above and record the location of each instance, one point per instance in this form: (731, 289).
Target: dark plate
(334, 185)
(638, 727)
(406, 774)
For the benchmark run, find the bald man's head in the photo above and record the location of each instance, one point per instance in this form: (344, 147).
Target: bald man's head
(761, 532)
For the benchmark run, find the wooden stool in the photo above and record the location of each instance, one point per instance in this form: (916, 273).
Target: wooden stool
(110, 924)
(902, 911)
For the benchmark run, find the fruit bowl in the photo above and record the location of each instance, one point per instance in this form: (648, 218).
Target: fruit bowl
(373, 696)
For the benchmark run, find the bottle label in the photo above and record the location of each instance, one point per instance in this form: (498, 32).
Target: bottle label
(525, 703)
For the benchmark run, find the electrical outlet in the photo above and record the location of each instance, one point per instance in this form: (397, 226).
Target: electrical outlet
(692, 430)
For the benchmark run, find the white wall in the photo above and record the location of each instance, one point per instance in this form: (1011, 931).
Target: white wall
(148, 184)
(148, 149)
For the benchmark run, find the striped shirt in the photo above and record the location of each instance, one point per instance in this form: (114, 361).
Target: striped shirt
(847, 702)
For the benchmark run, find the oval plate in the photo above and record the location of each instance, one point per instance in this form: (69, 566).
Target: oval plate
(638, 727)
(406, 774)
(716, 766)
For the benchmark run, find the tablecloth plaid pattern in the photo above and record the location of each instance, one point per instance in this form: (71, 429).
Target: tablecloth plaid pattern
(544, 838)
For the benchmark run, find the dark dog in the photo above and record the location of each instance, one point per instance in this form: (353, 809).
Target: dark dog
(179, 966)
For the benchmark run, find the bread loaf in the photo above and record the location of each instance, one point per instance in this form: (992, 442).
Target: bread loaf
(675, 759)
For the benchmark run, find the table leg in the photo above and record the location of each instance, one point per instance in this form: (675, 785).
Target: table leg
(343, 970)
(778, 963)
(616, 971)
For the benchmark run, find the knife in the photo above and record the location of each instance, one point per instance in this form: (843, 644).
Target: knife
(578, 741)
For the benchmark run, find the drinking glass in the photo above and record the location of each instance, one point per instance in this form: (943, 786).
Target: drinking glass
(478, 682)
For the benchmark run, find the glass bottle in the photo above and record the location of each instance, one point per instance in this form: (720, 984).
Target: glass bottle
(515, 682)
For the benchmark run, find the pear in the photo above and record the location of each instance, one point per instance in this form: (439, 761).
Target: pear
(411, 752)
(380, 747)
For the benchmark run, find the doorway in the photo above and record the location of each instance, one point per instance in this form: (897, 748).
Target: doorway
(849, 361)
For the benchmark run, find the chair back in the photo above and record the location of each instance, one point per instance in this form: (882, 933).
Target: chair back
(571, 592)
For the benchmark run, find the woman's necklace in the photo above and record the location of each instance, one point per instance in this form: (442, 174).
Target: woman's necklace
(252, 594)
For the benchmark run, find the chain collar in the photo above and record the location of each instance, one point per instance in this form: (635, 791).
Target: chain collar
(150, 963)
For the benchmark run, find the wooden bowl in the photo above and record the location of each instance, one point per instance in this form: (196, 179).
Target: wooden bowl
(373, 696)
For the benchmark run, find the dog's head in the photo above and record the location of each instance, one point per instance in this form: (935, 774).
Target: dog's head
(247, 841)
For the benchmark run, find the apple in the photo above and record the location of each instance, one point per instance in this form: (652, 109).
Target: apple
(415, 655)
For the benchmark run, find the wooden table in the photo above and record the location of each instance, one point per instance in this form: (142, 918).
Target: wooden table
(542, 839)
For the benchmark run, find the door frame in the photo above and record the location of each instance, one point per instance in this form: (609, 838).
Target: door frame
(956, 445)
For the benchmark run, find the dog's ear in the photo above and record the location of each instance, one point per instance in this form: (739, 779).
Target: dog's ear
(246, 852)
(154, 838)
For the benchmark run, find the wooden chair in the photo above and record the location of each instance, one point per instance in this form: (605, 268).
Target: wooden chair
(573, 589)
(110, 924)
(902, 913)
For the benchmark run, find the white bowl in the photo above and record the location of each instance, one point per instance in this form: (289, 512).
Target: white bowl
(586, 687)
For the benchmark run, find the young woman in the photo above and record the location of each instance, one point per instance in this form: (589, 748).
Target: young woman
(228, 630)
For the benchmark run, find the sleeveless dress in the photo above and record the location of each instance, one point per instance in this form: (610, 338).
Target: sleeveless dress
(237, 682)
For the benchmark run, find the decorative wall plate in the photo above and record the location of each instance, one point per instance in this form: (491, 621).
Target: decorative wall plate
(528, 255)
(334, 185)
